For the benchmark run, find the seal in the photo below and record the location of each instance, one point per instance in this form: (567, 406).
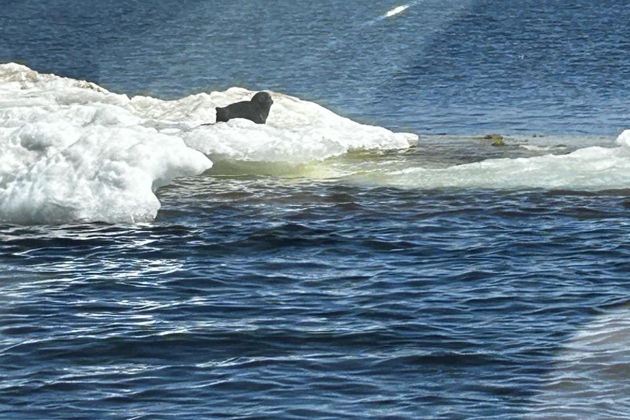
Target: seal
(255, 110)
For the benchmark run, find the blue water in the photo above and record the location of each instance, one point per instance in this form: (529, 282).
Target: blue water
(257, 296)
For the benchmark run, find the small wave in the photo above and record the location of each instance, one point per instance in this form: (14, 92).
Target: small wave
(536, 148)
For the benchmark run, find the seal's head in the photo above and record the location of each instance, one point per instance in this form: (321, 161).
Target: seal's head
(263, 98)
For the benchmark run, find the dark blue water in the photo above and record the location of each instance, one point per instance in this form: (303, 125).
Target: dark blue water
(257, 296)
(336, 303)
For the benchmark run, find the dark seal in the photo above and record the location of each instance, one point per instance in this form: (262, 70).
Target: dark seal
(255, 110)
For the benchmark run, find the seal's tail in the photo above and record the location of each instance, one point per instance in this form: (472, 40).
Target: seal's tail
(221, 116)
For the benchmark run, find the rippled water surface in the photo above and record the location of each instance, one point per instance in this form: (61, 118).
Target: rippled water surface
(329, 289)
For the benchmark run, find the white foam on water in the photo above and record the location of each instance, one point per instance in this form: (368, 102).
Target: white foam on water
(71, 151)
(536, 148)
(589, 169)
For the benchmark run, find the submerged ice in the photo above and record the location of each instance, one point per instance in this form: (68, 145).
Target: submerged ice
(72, 151)
(587, 169)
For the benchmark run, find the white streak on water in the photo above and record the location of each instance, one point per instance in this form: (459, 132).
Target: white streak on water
(396, 10)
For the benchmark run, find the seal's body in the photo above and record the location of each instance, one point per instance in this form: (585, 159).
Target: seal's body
(255, 110)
